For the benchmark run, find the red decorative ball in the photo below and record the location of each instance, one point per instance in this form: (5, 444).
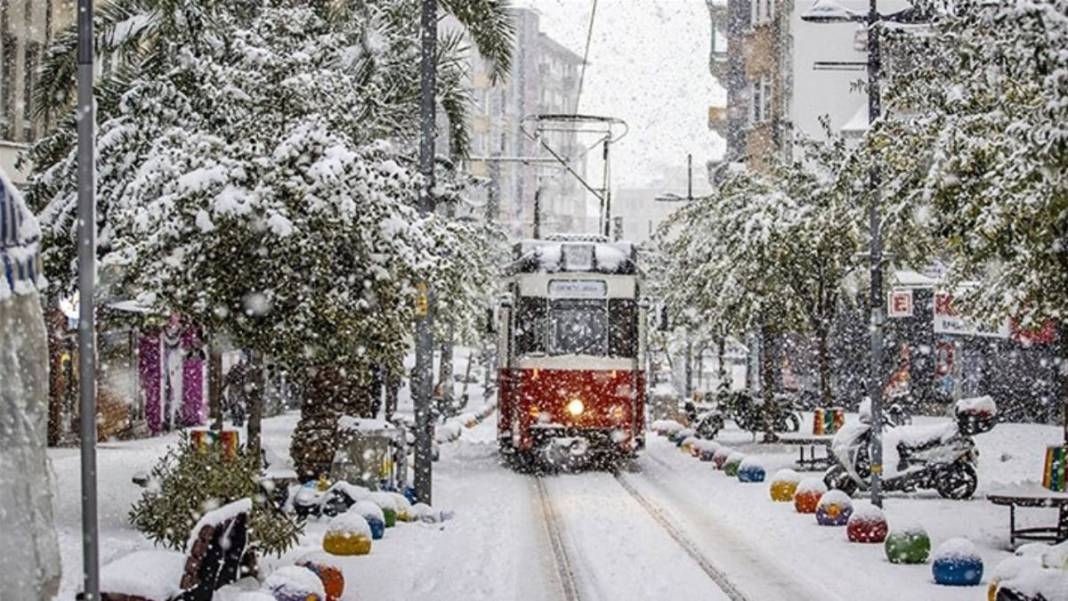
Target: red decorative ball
(867, 525)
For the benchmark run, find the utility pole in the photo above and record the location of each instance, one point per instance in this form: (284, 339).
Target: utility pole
(831, 13)
(423, 378)
(875, 379)
(86, 118)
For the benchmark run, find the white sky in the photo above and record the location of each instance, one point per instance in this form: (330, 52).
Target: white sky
(648, 65)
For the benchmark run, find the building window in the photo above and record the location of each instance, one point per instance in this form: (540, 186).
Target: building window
(761, 11)
(760, 97)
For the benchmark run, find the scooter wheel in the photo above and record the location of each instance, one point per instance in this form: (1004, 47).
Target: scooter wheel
(836, 478)
(958, 482)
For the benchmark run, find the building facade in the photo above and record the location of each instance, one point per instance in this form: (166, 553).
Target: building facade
(26, 29)
(516, 171)
(783, 75)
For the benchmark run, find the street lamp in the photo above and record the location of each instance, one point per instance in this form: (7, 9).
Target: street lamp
(824, 11)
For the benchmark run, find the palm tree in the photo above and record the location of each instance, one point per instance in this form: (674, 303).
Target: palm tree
(141, 37)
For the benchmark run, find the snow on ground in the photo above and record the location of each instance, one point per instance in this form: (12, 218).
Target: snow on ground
(768, 549)
(497, 547)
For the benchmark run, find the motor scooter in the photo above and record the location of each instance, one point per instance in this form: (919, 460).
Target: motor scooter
(942, 456)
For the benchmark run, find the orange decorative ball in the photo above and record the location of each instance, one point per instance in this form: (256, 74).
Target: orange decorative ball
(807, 495)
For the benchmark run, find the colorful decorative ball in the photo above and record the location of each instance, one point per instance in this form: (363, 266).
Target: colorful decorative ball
(374, 516)
(294, 583)
(708, 450)
(330, 575)
(388, 505)
(348, 534)
(867, 524)
(956, 563)
(404, 508)
(834, 509)
(1010, 568)
(686, 446)
(908, 545)
(719, 458)
(679, 437)
(734, 461)
(751, 470)
(784, 485)
(807, 495)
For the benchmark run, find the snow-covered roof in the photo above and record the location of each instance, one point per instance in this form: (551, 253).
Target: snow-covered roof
(907, 278)
(570, 254)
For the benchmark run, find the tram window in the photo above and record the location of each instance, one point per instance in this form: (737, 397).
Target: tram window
(578, 327)
(622, 327)
(531, 321)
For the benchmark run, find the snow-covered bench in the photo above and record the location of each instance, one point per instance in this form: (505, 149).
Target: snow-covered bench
(212, 559)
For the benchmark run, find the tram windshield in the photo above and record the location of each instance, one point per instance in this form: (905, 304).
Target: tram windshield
(578, 327)
(594, 327)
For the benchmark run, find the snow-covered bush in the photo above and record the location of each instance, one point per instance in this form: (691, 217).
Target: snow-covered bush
(189, 481)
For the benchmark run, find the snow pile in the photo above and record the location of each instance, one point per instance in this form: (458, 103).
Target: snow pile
(295, 582)
(750, 462)
(153, 575)
(449, 431)
(834, 497)
(866, 513)
(368, 511)
(352, 491)
(736, 457)
(384, 500)
(347, 423)
(787, 475)
(254, 596)
(812, 485)
(348, 524)
(955, 549)
(983, 405)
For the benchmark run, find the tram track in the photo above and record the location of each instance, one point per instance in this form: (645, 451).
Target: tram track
(691, 549)
(565, 569)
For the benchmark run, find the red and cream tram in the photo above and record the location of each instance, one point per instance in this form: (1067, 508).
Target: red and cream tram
(571, 333)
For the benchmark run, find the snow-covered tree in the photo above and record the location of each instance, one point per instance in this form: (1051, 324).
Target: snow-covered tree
(261, 182)
(980, 98)
(768, 251)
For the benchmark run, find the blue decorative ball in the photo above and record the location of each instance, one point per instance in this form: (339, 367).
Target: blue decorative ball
(957, 564)
(409, 493)
(750, 472)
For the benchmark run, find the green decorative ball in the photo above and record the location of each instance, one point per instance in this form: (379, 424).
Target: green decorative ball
(911, 545)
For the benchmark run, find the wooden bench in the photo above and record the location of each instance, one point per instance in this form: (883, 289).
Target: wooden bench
(212, 559)
(1035, 496)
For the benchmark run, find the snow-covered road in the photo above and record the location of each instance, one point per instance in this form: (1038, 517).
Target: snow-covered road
(667, 526)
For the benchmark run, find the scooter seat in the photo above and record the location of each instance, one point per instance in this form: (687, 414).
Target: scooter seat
(919, 439)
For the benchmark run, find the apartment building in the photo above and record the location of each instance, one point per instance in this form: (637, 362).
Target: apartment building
(517, 172)
(26, 28)
(783, 74)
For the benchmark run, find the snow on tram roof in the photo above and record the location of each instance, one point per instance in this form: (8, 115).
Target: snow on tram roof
(574, 253)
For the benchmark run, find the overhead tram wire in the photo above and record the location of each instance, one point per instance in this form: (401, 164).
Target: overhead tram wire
(585, 55)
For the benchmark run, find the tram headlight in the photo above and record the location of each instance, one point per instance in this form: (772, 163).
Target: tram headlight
(575, 407)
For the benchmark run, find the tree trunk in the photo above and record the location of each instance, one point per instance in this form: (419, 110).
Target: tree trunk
(331, 393)
(255, 386)
(823, 353)
(767, 372)
(57, 382)
(445, 367)
(215, 384)
(721, 354)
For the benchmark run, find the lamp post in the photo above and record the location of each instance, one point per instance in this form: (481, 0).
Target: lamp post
(829, 12)
(422, 380)
(86, 118)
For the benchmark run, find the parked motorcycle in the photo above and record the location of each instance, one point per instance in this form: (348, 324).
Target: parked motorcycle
(942, 457)
(748, 412)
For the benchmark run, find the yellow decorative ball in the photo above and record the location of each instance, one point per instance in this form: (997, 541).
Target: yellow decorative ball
(348, 534)
(784, 485)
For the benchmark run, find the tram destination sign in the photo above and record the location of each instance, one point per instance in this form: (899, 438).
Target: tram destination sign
(578, 288)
